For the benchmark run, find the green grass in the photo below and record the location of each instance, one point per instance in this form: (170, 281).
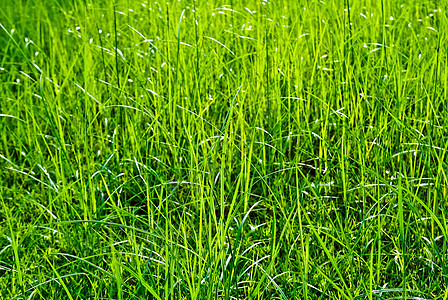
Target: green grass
(223, 150)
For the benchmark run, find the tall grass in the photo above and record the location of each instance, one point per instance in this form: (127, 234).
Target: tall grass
(210, 150)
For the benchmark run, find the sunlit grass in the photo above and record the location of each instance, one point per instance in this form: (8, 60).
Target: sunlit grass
(209, 150)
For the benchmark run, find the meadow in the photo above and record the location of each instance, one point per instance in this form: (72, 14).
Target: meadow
(252, 149)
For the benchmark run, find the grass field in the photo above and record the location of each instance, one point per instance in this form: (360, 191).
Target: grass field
(223, 150)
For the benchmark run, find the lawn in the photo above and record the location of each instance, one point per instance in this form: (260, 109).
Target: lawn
(248, 149)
